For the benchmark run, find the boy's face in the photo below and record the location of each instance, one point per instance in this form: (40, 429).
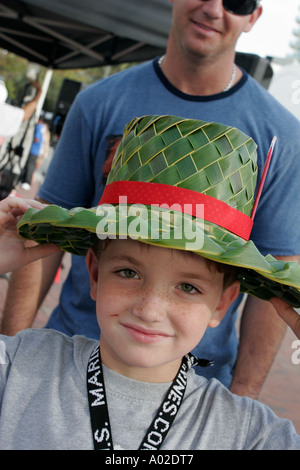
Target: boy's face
(153, 306)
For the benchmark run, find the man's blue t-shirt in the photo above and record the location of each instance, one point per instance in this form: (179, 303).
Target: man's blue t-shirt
(77, 176)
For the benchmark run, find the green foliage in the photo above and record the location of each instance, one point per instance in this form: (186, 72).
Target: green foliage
(13, 69)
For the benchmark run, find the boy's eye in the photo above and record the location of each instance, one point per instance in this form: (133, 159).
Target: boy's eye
(188, 288)
(128, 273)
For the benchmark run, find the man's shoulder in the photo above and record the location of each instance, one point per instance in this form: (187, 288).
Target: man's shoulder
(112, 89)
(263, 101)
(116, 79)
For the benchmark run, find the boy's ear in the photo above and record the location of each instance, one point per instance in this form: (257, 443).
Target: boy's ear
(92, 266)
(228, 297)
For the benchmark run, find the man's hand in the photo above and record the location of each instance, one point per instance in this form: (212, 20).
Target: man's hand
(288, 314)
(16, 252)
(29, 108)
(36, 84)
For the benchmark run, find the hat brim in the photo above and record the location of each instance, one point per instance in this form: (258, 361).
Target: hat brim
(261, 276)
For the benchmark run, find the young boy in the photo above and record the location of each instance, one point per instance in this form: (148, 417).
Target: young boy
(159, 277)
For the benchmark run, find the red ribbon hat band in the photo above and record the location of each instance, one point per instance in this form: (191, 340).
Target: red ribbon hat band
(159, 194)
(215, 211)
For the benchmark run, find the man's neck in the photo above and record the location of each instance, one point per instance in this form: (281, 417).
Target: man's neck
(200, 77)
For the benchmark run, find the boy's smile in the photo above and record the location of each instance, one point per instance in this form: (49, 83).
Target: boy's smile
(153, 306)
(144, 335)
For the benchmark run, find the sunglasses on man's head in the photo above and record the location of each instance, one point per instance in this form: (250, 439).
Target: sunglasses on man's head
(240, 7)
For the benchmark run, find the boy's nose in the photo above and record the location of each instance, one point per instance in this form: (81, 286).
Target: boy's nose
(151, 307)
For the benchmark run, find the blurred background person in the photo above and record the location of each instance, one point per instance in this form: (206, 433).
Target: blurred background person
(11, 117)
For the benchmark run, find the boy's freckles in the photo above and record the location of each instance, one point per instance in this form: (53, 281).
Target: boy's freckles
(153, 305)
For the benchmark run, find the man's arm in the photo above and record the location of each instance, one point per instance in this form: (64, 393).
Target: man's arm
(27, 289)
(30, 107)
(261, 333)
(28, 286)
(288, 314)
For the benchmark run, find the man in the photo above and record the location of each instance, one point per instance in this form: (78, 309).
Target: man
(196, 78)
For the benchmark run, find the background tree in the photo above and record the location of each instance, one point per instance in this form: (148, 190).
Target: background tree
(13, 70)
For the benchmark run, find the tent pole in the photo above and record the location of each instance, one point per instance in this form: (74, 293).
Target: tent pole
(45, 86)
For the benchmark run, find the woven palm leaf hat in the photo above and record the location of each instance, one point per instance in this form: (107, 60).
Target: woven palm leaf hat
(178, 183)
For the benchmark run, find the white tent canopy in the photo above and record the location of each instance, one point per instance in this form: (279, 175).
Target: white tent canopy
(75, 34)
(66, 34)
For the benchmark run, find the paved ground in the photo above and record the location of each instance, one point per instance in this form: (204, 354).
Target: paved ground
(281, 390)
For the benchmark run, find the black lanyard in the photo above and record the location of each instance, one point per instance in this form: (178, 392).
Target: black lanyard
(164, 418)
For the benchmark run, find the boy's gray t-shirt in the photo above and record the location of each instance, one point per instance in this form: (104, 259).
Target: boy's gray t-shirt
(44, 404)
